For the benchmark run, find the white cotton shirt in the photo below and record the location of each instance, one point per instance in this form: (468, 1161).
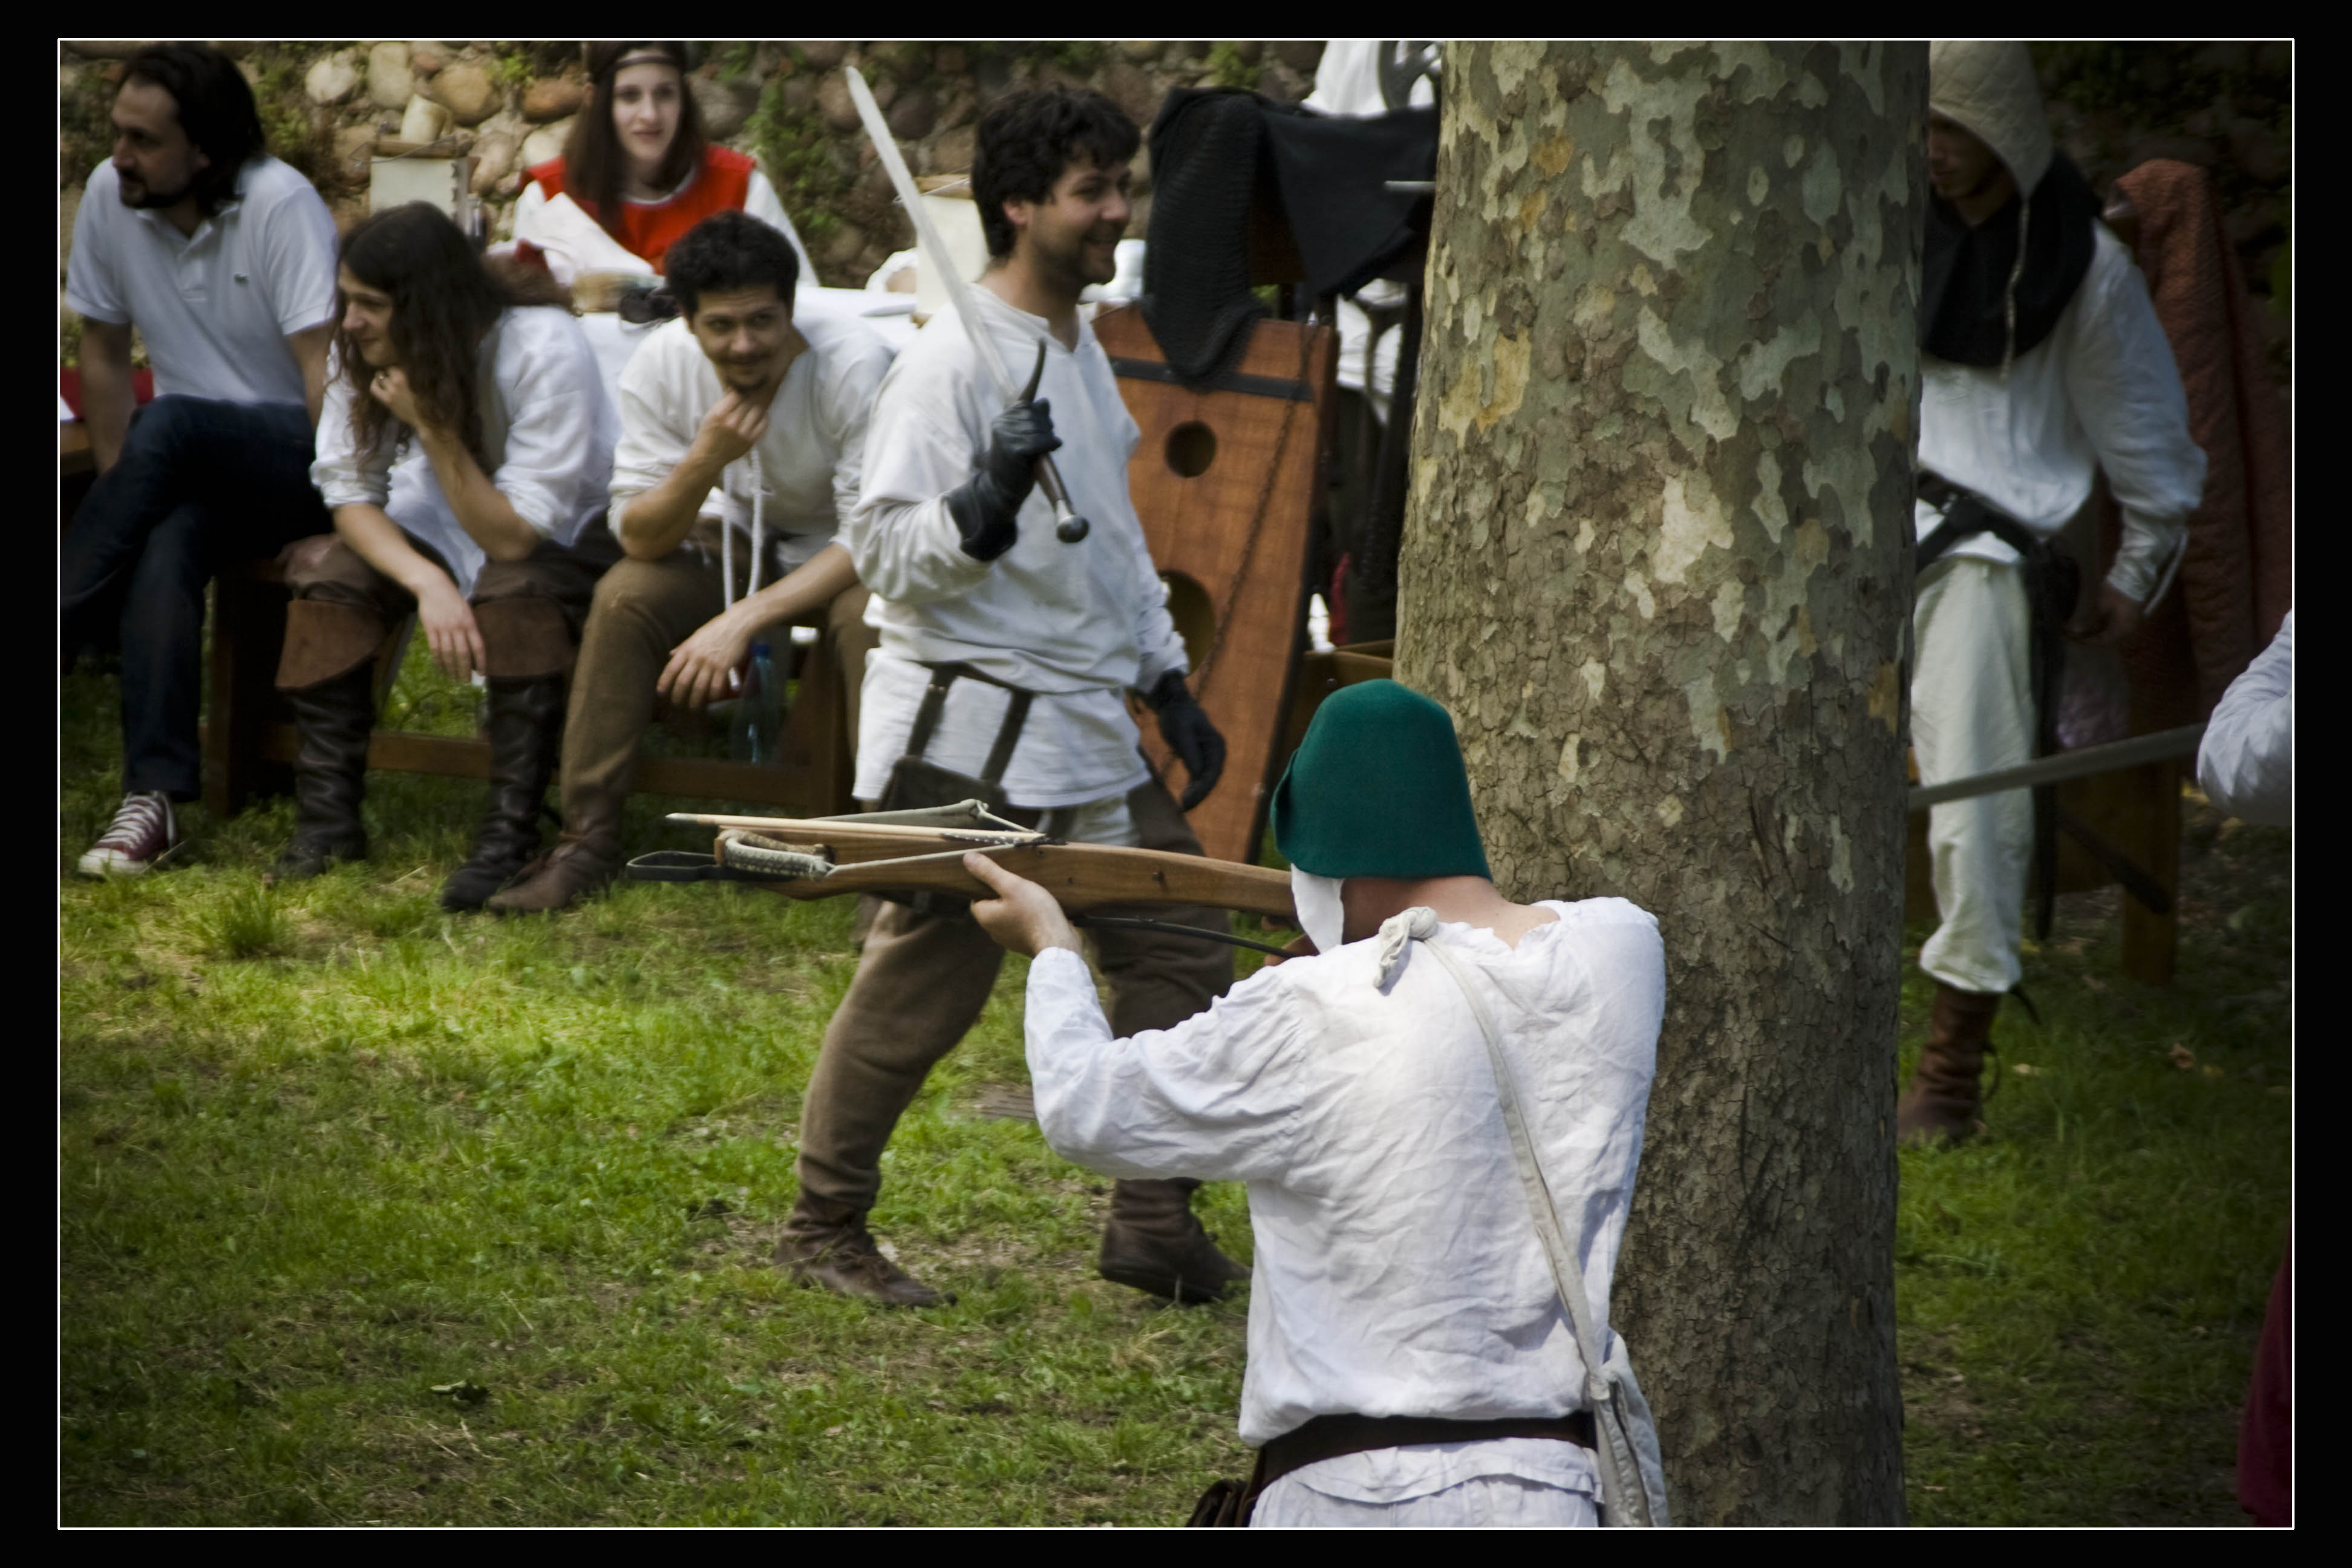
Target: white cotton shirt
(2100, 392)
(1077, 624)
(548, 432)
(214, 307)
(2246, 764)
(810, 458)
(1397, 1272)
(759, 201)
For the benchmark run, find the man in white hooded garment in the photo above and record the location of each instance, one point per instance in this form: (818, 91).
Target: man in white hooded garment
(1410, 1360)
(2041, 363)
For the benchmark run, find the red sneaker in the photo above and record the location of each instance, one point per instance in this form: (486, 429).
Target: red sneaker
(144, 831)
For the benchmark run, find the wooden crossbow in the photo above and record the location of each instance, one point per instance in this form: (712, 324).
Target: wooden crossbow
(923, 851)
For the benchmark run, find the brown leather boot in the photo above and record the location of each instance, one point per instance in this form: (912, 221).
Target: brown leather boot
(335, 718)
(1945, 1097)
(583, 860)
(828, 1245)
(525, 725)
(1154, 1244)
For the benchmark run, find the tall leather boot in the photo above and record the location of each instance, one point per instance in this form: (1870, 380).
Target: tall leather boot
(525, 725)
(826, 1245)
(1153, 1243)
(586, 856)
(1946, 1094)
(335, 718)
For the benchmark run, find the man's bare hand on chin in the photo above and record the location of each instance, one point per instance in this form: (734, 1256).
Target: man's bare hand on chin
(1023, 918)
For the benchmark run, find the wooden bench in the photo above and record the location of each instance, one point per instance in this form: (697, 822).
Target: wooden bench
(249, 738)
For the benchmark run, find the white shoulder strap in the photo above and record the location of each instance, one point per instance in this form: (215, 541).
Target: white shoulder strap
(1624, 1499)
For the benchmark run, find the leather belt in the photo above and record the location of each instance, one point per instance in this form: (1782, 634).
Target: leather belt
(1329, 1437)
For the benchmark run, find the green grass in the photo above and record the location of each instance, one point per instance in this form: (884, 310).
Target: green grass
(2078, 1291)
(369, 1213)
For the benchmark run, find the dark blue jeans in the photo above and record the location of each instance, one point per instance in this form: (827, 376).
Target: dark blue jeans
(200, 484)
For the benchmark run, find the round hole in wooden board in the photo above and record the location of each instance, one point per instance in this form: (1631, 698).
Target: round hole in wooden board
(1192, 446)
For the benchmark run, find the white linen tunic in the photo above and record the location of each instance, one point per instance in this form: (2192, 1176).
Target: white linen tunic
(810, 461)
(1077, 624)
(2247, 761)
(2100, 392)
(548, 432)
(1398, 1271)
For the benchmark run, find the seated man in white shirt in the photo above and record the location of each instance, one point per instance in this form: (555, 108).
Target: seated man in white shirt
(224, 261)
(464, 450)
(1411, 1359)
(742, 431)
(1005, 660)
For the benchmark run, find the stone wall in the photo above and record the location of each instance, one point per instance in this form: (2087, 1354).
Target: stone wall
(511, 104)
(2226, 106)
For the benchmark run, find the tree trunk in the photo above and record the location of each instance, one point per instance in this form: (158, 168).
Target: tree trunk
(1657, 565)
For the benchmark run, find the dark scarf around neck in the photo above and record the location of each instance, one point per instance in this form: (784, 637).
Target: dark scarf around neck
(1965, 315)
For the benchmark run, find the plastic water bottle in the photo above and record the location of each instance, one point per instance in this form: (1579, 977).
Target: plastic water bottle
(759, 720)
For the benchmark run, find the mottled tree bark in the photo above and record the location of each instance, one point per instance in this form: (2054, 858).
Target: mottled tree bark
(1657, 564)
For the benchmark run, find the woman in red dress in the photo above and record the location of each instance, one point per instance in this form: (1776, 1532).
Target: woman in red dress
(639, 164)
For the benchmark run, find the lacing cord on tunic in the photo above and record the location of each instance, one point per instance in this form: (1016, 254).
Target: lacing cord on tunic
(758, 539)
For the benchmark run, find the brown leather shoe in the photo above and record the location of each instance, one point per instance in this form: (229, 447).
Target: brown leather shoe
(1154, 1244)
(1945, 1097)
(843, 1259)
(558, 879)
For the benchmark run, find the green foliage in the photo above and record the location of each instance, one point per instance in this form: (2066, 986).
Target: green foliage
(733, 61)
(69, 338)
(296, 136)
(2091, 75)
(1079, 57)
(1226, 67)
(798, 152)
(85, 126)
(514, 70)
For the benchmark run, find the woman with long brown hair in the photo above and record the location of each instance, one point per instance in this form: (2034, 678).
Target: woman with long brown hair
(639, 164)
(465, 451)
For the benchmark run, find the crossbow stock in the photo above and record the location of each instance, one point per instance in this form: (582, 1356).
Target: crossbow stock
(923, 851)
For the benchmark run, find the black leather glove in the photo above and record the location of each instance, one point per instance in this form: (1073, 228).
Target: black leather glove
(984, 506)
(1186, 728)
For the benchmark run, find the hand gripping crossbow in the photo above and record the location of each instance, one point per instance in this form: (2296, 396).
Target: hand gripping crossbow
(923, 851)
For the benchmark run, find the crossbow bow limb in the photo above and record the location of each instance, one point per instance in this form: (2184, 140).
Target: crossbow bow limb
(923, 851)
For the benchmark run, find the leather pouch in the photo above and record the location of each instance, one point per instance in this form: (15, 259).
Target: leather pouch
(914, 782)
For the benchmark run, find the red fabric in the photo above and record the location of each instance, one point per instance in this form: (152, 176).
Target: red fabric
(143, 386)
(720, 184)
(2236, 581)
(2266, 1434)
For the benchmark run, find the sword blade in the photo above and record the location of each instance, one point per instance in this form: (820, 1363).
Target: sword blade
(927, 238)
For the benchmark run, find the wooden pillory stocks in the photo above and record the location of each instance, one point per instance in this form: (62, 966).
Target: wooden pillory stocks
(1226, 481)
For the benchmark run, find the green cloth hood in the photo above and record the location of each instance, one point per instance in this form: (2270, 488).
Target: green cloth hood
(1378, 789)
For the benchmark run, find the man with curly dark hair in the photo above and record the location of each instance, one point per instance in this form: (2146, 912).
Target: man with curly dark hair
(224, 259)
(742, 431)
(464, 450)
(1009, 655)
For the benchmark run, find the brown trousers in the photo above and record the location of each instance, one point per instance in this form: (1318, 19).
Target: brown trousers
(922, 983)
(643, 610)
(528, 611)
